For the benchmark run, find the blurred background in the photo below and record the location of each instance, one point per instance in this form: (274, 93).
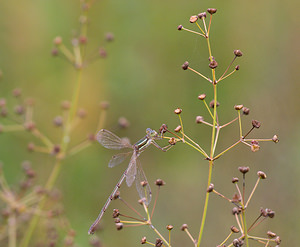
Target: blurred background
(143, 81)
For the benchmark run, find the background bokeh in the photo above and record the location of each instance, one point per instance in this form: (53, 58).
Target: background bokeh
(143, 81)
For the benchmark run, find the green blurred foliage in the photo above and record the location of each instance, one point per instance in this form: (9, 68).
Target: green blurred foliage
(142, 79)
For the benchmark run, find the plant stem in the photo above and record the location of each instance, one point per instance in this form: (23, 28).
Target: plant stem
(12, 231)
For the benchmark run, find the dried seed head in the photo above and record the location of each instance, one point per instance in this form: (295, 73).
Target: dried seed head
(169, 227)
(246, 110)
(81, 113)
(210, 188)
(212, 104)
(163, 129)
(256, 124)
(271, 234)
(236, 198)
(211, 11)
(172, 141)
(178, 128)
(19, 109)
(202, 15)
(183, 227)
(58, 121)
(159, 182)
(270, 213)
(65, 105)
(123, 123)
(238, 107)
(142, 200)
(177, 111)
(234, 229)
(109, 37)
(179, 27)
(261, 174)
(116, 213)
(144, 183)
(57, 40)
(185, 65)
(143, 240)
(119, 226)
(202, 96)
(275, 139)
(236, 210)
(234, 180)
(104, 105)
(158, 242)
(199, 119)
(17, 92)
(238, 53)
(30, 146)
(237, 242)
(254, 146)
(117, 220)
(277, 240)
(193, 18)
(117, 195)
(244, 169)
(29, 126)
(213, 64)
(237, 67)
(56, 149)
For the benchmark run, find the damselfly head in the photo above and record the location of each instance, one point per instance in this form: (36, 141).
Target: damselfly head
(151, 132)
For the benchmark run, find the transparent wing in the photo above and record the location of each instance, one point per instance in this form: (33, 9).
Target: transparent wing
(118, 159)
(143, 191)
(131, 170)
(111, 141)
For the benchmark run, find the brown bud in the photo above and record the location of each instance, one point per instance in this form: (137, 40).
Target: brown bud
(270, 213)
(116, 213)
(177, 111)
(234, 229)
(185, 65)
(102, 52)
(238, 107)
(56, 149)
(236, 198)
(236, 210)
(17, 92)
(65, 105)
(30, 146)
(163, 129)
(158, 242)
(144, 183)
(178, 128)
(254, 146)
(202, 96)
(237, 242)
(256, 124)
(271, 234)
(211, 11)
(123, 123)
(117, 220)
(116, 195)
(193, 18)
(246, 110)
(238, 53)
(179, 27)
(19, 109)
(210, 188)
(183, 227)
(234, 180)
(277, 240)
(169, 227)
(2, 102)
(54, 52)
(172, 141)
(244, 169)
(109, 37)
(275, 139)
(104, 105)
(160, 182)
(81, 113)
(237, 67)
(57, 40)
(261, 174)
(91, 137)
(199, 119)
(213, 64)
(212, 104)
(58, 121)
(202, 15)
(144, 240)
(119, 226)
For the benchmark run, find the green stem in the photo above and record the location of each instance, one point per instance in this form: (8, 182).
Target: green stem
(245, 227)
(12, 230)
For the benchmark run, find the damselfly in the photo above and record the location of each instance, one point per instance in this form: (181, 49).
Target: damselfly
(134, 170)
